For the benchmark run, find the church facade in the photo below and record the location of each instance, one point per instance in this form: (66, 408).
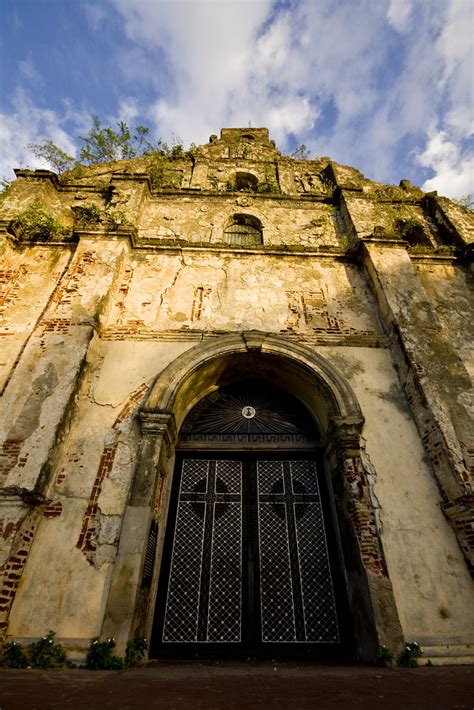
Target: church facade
(236, 415)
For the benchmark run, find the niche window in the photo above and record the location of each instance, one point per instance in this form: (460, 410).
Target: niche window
(245, 182)
(243, 230)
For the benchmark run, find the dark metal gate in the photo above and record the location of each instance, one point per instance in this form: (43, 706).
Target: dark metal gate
(246, 568)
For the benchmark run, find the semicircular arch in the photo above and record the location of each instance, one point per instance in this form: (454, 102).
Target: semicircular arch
(294, 367)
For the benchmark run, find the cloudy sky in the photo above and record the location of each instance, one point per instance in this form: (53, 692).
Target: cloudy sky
(383, 85)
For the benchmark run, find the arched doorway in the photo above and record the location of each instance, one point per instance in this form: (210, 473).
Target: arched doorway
(251, 566)
(328, 400)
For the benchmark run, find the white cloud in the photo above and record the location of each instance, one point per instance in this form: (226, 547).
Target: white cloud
(454, 169)
(29, 124)
(230, 67)
(455, 49)
(447, 152)
(293, 67)
(399, 14)
(28, 71)
(210, 49)
(128, 111)
(96, 14)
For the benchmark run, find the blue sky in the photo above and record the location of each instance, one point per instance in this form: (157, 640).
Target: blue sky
(383, 85)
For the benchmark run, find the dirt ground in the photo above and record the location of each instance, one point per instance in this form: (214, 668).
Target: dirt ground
(224, 686)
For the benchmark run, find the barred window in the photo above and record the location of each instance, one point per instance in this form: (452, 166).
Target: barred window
(243, 230)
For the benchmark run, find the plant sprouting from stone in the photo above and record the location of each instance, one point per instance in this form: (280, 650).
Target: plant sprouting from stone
(384, 656)
(101, 144)
(466, 201)
(100, 655)
(269, 184)
(37, 225)
(330, 186)
(412, 231)
(301, 153)
(116, 219)
(104, 144)
(14, 655)
(87, 215)
(52, 154)
(44, 653)
(135, 651)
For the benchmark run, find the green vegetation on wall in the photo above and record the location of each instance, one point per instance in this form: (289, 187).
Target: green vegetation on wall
(35, 224)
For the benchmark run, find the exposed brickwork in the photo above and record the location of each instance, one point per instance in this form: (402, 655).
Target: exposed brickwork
(12, 570)
(167, 279)
(71, 283)
(201, 294)
(73, 460)
(460, 513)
(362, 514)
(310, 309)
(130, 405)
(10, 456)
(53, 509)
(10, 283)
(123, 289)
(55, 325)
(439, 451)
(8, 530)
(159, 496)
(87, 541)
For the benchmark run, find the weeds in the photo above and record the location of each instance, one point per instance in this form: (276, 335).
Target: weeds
(45, 653)
(408, 658)
(37, 225)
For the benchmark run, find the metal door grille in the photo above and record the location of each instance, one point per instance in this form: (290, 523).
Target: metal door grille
(296, 589)
(204, 591)
(291, 570)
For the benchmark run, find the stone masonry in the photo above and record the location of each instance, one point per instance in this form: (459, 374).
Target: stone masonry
(155, 259)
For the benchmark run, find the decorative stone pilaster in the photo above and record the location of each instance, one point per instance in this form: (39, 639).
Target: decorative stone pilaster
(128, 600)
(20, 512)
(343, 447)
(433, 376)
(361, 535)
(39, 397)
(460, 512)
(161, 424)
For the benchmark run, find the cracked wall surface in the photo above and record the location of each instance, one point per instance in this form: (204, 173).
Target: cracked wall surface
(89, 321)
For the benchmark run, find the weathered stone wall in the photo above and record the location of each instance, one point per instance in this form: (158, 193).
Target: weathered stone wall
(91, 319)
(215, 291)
(449, 288)
(201, 220)
(28, 279)
(425, 564)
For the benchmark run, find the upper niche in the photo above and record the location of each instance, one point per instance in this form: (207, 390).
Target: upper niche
(243, 230)
(245, 182)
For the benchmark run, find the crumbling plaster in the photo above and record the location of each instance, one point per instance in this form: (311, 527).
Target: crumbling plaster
(426, 566)
(90, 323)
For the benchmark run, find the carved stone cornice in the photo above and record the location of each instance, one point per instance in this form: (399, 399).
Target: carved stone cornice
(159, 424)
(16, 496)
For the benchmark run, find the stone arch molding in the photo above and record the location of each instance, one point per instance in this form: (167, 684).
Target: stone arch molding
(195, 373)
